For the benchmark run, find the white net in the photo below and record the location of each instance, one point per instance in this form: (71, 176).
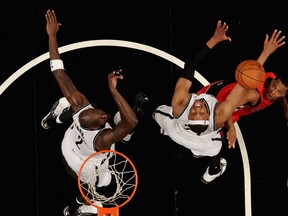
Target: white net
(116, 176)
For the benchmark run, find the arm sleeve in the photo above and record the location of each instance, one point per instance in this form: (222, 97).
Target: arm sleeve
(189, 68)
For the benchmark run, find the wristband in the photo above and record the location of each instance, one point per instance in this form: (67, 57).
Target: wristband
(56, 64)
(189, 69)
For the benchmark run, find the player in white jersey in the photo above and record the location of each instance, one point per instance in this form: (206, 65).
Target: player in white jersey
(90, 130)
(195, 121)
(61, 113)
(180, 132)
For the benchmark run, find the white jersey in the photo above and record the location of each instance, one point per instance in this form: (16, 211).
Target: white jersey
(207, 144)
(78, 144)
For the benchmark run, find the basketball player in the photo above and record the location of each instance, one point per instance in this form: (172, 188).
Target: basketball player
(90, 130)
(194, 121)
(273, 88)
(61, 112)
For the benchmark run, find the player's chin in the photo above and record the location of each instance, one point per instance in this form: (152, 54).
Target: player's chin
(269, 97)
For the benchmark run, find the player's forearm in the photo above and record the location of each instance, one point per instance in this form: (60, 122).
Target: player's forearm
(181, 95)
(65, 83)
(126, 112)
(229, 124)
(263, 57)
(53, 47)
(212, 43)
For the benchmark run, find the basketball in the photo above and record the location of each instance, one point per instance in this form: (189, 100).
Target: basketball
(250, 74)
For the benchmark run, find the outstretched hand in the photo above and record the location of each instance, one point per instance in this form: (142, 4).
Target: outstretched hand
(112, 78)
(219, 34)
(52, 26)
(270, 45)
(220, 31)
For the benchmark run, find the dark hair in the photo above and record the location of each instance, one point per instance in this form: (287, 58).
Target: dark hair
(284, 80)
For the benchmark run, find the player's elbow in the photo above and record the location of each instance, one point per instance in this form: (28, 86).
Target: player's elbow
(133, 123)
(129, 122)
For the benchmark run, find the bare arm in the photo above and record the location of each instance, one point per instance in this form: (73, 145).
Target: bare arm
(74, 97)
(128, 118)
(237, 97)
(270, 45)
(183, 85)
(181, 95)
(231, 133)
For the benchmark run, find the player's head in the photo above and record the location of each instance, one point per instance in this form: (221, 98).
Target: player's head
(276, 88)
(199, 115)
(93, 118)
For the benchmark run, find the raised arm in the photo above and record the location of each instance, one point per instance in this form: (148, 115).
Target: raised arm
(128, 117)
(237, 97)
(74, 97)
(270, 45)
(184, 83)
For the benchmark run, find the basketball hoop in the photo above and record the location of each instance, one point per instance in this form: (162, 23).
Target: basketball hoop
(117, 177)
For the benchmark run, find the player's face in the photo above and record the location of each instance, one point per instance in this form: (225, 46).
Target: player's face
(93, 118)
(198, 111)
(275, 90)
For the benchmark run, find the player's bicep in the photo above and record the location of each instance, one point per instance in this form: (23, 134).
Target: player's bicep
(224, 112)
(181, 95)
(105, 139)
(120, 131)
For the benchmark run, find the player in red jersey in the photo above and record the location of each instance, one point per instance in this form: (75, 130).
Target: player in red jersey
(273, 88)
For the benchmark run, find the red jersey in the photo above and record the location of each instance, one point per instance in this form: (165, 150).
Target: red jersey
(220, 90)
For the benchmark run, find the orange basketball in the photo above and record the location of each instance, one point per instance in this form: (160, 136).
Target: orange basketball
(250, 74)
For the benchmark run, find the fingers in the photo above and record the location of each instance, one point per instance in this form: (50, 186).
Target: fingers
(220, 25)
(231, 141)
(221, 30)
(275, 36)
(266, 38)
(117, 72)
(50, 16)
(231, 145)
